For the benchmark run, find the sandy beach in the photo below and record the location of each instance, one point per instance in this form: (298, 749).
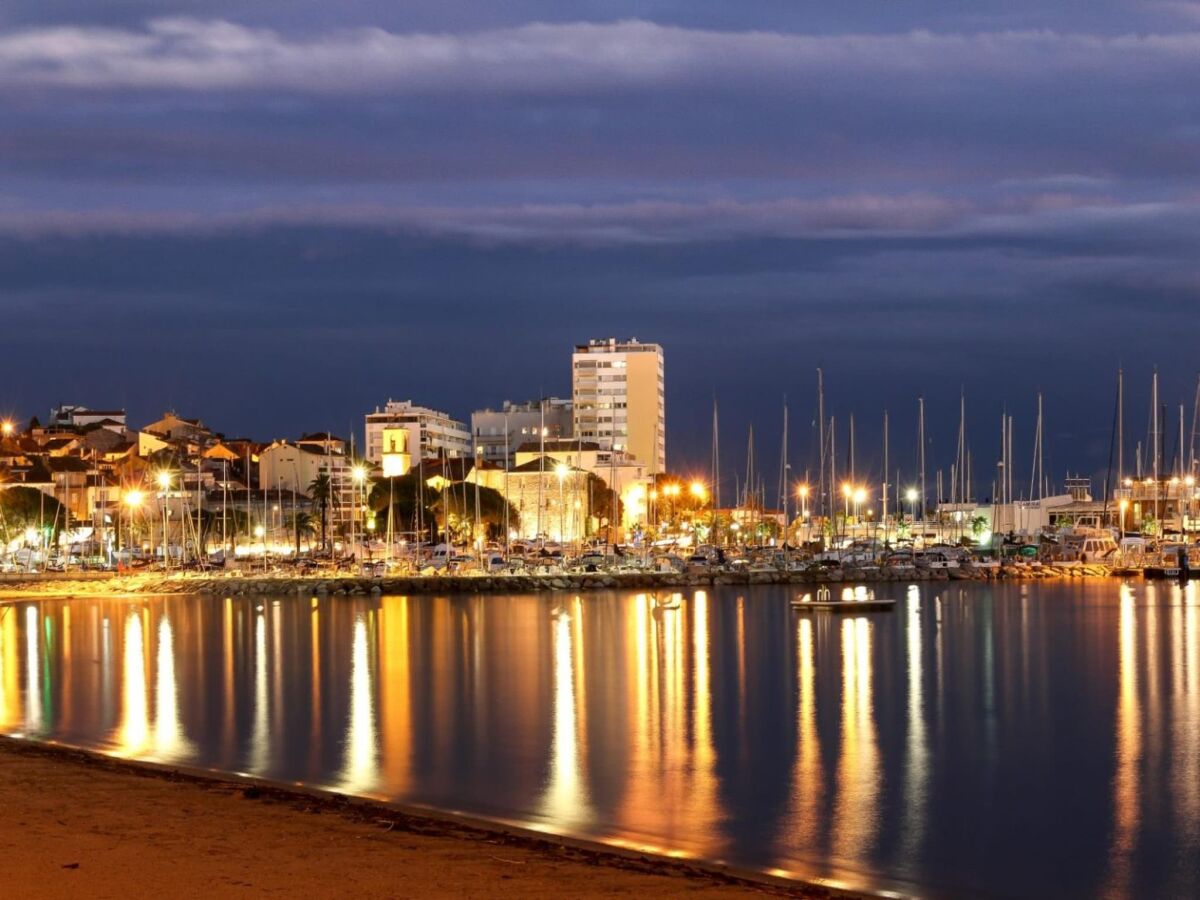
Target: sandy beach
(78, 825)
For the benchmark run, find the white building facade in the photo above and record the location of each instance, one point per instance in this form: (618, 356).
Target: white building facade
(432, 434)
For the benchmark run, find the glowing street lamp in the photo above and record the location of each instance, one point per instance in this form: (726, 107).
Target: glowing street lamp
(802, 493)
(1123, 505)
(6, 428)
(911, 496)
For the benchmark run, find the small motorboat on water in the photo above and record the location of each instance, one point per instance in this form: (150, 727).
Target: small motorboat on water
(852, 603)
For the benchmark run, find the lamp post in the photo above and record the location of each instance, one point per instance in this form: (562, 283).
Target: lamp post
(699, 491)
(911, 496)
(260, 533)
(133, 500)
(359, 475)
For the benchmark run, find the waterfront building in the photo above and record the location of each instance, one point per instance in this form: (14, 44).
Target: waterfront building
(431, 432)
(553, 501)
(285, 467)
(516, 423)
(619, 401)
(627, 475)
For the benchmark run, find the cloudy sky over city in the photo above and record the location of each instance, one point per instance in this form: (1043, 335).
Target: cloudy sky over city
(277, 215)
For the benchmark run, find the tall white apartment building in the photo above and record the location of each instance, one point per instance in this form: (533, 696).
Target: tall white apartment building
(432, 434)
(618, 394)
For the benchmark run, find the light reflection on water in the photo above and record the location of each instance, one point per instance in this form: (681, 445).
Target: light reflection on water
(1013, 740)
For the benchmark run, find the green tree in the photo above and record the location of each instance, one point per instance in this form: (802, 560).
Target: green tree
(492, 506)
(302, 526)
(24, 507)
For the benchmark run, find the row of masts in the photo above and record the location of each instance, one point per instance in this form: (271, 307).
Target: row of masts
(955, 486)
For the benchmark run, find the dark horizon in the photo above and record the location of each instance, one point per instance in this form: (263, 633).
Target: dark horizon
(275, 218)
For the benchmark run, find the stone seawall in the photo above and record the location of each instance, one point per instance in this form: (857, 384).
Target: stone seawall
(238, 585)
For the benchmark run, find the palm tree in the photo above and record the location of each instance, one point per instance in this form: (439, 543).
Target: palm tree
(302, 525)
(320, 490)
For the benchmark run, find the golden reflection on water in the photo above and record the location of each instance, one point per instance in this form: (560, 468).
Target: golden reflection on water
(1127, 780)
(916, 767)
(260, 732)
(855, 814)
(565, 799)
(360, 773)
(10, 671)
(134, 731)
(169, 740)
(808, 781)
(395, 690)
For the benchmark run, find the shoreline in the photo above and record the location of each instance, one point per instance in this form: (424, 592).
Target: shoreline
(579, 866)
(60, 586)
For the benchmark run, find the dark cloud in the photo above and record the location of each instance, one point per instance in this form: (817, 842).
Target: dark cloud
(277, 215)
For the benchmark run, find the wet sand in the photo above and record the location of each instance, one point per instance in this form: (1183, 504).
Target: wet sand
(75, 824)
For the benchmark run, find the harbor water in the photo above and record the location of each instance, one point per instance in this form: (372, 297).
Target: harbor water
(1009, 740)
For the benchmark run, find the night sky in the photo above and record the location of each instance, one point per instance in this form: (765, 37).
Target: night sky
(277, 215)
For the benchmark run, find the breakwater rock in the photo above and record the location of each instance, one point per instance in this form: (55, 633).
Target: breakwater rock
(321, 585)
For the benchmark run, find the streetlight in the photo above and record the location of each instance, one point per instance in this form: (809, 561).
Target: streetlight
(1123, 505)
(860, 496)
(260, 532)
(911, 496)
(6, 428)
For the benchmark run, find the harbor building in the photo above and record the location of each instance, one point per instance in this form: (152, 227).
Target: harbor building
(619, 399)
(515, 424)
(432, 434)
(621, 471)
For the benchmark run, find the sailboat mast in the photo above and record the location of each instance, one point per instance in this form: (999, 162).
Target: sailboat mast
(821, 439)
(1121, 424)
(921, 449)
(783, 473)
(884, 492)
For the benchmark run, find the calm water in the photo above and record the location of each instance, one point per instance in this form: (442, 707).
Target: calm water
(1009, 741)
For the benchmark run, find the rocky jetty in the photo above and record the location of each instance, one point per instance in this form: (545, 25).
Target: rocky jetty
(318, 585)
